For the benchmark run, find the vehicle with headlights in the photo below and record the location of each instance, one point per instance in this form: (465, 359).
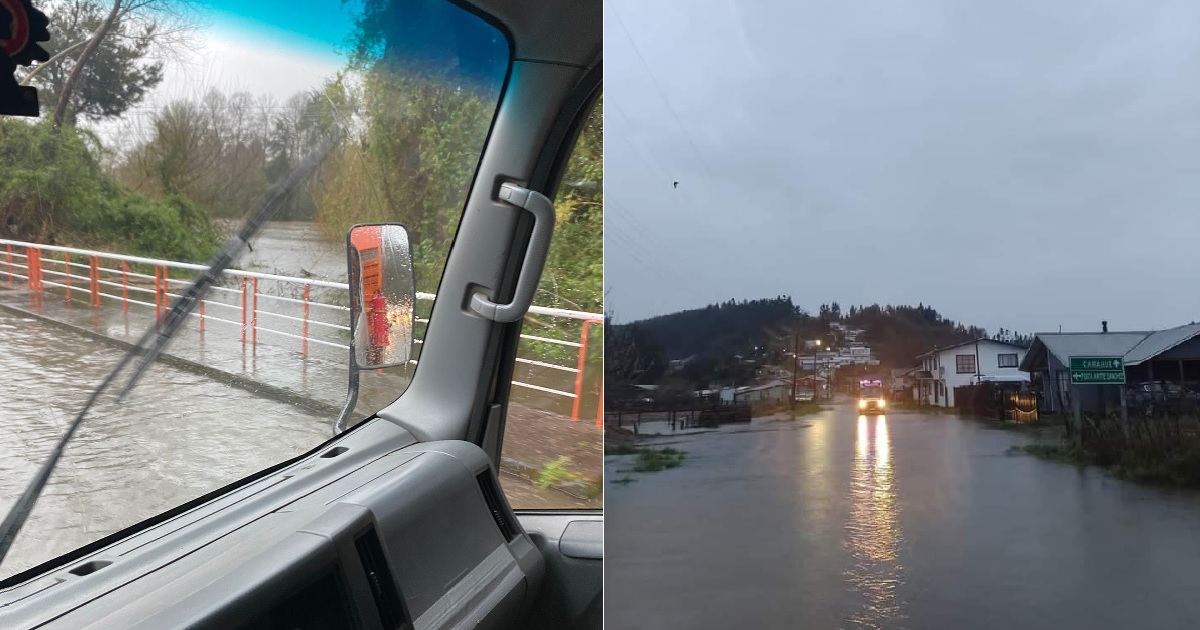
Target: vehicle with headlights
(870, 399)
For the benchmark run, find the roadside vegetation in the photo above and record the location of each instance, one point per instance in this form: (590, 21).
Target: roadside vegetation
(799, 410)
(1161, 451)
(648, 459)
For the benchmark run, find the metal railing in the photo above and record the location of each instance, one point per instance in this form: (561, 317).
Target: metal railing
(121, 278)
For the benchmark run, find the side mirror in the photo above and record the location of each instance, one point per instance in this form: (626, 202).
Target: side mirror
(383, 294)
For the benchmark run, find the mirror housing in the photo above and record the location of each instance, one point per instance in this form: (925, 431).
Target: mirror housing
(383, 296)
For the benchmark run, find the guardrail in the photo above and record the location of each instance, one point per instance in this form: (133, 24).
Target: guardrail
(117, 278)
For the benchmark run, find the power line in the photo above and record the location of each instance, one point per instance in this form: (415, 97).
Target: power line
(658, 87)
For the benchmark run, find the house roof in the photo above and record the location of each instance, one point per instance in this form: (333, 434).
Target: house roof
(1003, 378)
(1159, 342)
(968, 343)
(1092, 344)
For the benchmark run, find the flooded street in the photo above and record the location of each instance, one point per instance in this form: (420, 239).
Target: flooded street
(899, 521)
(230, 409)
(179, 436)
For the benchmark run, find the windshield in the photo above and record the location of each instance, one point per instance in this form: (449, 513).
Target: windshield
(151, 148)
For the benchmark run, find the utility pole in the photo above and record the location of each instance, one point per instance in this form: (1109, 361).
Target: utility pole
(816, 349)
(795, 364)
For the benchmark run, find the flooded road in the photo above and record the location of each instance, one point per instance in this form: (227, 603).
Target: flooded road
(903, 521)
(188, 431)
(179, 436)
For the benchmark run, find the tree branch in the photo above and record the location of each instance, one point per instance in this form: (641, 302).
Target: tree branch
(60, 109)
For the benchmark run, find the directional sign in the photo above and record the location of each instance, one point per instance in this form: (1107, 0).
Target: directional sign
(1097, 371)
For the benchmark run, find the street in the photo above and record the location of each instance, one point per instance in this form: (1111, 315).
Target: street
(900, 521)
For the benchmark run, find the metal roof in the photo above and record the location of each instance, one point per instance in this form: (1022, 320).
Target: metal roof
(1066, 345)
(969, 343)
(1159, 342)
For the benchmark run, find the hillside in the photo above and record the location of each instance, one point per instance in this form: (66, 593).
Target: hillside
(896, 334)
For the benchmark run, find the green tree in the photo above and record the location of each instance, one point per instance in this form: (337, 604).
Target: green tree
(53, 190)
(103, 56)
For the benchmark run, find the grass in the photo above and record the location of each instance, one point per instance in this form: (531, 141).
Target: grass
(655, 460)
(555, 472)
(1176, 470)
(648, 459)
(805, 409)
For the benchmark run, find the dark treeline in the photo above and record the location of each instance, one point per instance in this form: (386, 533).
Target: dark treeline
(762, 329)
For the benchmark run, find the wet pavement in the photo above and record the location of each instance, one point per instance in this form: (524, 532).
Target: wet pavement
(231, 409)
(900, 521)
(179, 436)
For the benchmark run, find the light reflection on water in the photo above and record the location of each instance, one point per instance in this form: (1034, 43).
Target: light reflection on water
(873, 530)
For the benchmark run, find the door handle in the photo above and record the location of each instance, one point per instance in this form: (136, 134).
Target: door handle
(542, 210)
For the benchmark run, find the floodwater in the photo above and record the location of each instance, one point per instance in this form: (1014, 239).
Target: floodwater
(898, 521)
(182, 434)
(178, 436)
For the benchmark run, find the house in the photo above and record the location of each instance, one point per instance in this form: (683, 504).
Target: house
(1163, 356)
(773, 372)
(967, 363)
(771, 391)
(903, 382)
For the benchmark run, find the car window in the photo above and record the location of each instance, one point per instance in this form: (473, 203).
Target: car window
(150, 147)
(553, 438)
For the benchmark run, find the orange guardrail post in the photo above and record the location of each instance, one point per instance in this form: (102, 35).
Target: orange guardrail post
(95, 281)
(33, 257)
(245, 284)
(67, 268)
(304, 334)
(583, 344)
(202, 316)
(124, 286)
(600, 407)
(254, 314)
(166, 298)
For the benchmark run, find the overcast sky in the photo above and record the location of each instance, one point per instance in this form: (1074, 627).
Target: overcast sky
(1022, 164)
(273, 48)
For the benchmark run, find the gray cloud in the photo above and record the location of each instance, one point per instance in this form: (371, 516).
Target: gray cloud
(1018, 164)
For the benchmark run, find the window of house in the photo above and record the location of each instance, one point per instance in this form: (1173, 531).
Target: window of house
(1006, 360)
(964, 363)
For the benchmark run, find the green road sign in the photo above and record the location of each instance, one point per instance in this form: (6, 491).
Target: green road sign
(1097, 371)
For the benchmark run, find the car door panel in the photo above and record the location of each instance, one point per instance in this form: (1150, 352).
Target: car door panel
(572, 545)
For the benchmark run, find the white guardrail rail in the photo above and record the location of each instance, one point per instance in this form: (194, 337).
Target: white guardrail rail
(287, 300)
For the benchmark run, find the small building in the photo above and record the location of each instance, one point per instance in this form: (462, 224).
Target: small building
(903, 382)
(1151, 358)
(967, 363)
(771, 391)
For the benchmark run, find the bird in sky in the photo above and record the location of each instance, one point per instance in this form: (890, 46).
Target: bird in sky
(677, 184)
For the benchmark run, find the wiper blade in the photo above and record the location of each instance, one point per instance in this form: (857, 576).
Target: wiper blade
(156, 338)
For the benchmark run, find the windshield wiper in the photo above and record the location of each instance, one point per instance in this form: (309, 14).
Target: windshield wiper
(156, 338)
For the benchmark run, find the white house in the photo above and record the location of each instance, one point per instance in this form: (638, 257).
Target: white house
(967, 363)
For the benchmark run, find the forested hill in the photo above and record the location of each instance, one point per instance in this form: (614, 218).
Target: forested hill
(719, 330)
(896, 334)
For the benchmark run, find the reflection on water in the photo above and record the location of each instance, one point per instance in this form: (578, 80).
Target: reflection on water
(178, 436)
(873, 530)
